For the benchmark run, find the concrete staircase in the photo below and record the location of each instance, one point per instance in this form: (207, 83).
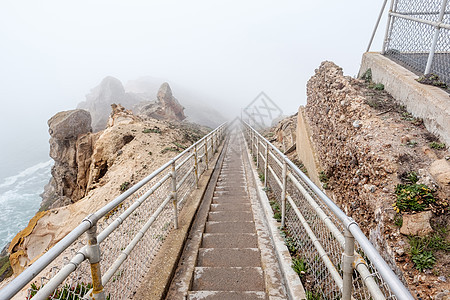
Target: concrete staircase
(227, 255)
(229, 260)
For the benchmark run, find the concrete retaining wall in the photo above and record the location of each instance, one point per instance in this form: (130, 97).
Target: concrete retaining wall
(430, 103)
(305, 148)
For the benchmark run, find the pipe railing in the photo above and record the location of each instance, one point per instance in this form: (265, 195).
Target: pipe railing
(328, 236)
(184, 166)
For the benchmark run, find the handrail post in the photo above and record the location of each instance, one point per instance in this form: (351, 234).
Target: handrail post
(266, 165)
(388, 28)
(435, 39)
(174, 195)
(283, 195)
(347, 265)
(94, 257)
(206, 152)
(195, 166)
(257, 153)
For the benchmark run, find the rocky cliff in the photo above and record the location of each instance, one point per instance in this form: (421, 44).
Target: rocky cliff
(91, 169)
(366, 144)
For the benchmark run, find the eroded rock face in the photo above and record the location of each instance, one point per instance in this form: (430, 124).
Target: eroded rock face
(111, 91)
(166, 107)
(98, 101)
(71, 147)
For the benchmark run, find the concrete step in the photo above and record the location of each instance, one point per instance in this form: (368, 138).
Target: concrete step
(231, 207)
(229, 240)
(230, 227)
(229, 257)
(228, 279)
(231, 199)
(221, 295)
(230, 216)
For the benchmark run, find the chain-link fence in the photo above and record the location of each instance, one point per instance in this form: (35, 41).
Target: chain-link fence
(317, 233)
(132, 228)
(418, 36)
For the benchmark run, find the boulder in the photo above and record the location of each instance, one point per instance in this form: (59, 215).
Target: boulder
(417, 224)
(440, 171)
(69, 124)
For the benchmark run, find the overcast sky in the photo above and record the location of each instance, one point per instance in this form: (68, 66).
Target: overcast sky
(53, 52)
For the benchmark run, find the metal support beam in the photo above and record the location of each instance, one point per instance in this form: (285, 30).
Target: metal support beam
(347, 262)
(174, 196)
(435, 39)
(93, 255)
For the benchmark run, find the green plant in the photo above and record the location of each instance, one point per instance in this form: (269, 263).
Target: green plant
(290, 244)
(67, 292)
(167, 149)
(323, 177)
(379, 87)
(367, 76)
(277, 216)
(152, 130)
(325, 186)
(413, 197)
(412, 177)
(299, 266)
(424, 260)
(312, 295)
(124, 186)
(150, 153)
(411, 143)
(398, 220)
(261, 177)
(178, 145)
(437, 146)
(432, 79)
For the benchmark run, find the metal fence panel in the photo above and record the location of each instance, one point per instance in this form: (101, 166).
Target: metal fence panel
(411, 36)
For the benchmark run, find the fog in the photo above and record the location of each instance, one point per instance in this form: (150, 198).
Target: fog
(53, 52)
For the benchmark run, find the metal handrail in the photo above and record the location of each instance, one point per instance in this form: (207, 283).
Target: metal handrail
(92, 251)
(352, 230)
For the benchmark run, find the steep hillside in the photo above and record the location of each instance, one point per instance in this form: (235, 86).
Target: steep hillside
(91, 169)
(383, 168)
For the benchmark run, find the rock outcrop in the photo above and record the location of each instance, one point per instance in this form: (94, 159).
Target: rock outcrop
(166, 107)
(111, 91)
(71, 144)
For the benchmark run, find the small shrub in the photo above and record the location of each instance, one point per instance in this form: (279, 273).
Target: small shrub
(124, 186)
(424, 260)
(412, 177)
(398, 220)
(299, 266)
(312, 295)
(413, 197)
(378, 87)
(411, 143)
(432, 79)
(367, 76)
(323, 177)
(152, 130)
(437, 146)
(290, 244)
(261, 177)
(277, 216)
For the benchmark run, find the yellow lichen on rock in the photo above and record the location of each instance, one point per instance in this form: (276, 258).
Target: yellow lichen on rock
(17, 242)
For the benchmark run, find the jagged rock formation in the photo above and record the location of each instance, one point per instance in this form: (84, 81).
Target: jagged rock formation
(198, 107)
(166, 107)
(90, 169)
(71, 147)
(111, 90)
(99, 100)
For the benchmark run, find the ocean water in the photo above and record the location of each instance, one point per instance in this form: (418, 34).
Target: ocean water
(20, 200)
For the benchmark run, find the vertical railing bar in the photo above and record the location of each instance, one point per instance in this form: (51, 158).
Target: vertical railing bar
(388, 28)
(283, 194)
(174, 196)
(347, 265)
(435, 39)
